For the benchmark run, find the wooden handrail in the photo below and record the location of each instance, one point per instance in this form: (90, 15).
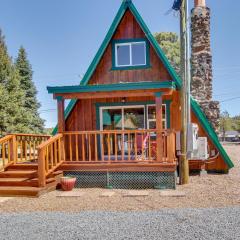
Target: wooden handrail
(50, 140)
(118, 131)
(6, 138)
(30, 135)
(19, 148)
(50, 156)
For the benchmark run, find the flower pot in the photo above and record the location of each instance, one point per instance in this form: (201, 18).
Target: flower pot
(68, 183)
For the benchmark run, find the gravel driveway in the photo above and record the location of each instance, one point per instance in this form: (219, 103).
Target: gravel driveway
(165, 224)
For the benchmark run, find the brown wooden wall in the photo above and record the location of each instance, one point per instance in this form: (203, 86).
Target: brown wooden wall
(103, 74)
(83, 117)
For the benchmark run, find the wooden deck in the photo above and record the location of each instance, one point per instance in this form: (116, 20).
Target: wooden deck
(33, 164)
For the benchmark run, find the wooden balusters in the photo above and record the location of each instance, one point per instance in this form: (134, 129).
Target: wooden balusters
(77, 155)
(118, 146)
(89, 148)
(96, 147)
(26, 146)
(50, 156)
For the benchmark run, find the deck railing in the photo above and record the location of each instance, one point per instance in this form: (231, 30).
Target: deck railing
(27, 145)
(119, 146)
(50, 156)
(109, 146)
(19, 148)
(6, 151)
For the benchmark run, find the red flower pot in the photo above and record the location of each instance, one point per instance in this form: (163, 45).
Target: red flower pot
(68, 183)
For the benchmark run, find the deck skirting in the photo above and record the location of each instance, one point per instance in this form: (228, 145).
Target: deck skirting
(124, 180)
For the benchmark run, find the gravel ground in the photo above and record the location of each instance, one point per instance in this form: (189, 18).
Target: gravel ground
(202, 192)
(165, 224)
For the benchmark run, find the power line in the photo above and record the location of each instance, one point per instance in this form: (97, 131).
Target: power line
(225, 94)
(230, 99)
(47, 110)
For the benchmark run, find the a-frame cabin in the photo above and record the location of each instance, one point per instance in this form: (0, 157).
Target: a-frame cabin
(120, 127)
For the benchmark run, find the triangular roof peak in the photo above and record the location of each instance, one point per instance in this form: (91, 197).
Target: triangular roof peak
(127, 1)
(128, 4)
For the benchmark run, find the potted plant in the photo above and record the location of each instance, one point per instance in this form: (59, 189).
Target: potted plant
(68, 182)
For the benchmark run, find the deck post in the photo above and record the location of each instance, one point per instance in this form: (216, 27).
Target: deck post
(61, 119)
(13, 149)
(41, 169)
(158, 100)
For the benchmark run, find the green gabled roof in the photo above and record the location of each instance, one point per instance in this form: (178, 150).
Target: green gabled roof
(127, 4)
(124, 7)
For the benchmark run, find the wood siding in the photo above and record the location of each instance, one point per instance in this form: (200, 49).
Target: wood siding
(103, 74)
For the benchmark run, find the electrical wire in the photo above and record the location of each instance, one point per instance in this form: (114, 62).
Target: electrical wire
(230, 99)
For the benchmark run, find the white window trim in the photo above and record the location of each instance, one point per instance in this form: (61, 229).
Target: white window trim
(122, 111)
(130, 47)
(164, 120)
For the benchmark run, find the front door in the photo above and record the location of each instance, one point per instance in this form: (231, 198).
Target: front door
(120, 118)
(133, 117)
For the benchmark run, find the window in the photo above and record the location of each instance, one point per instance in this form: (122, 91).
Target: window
(130, 54)
(151, 118)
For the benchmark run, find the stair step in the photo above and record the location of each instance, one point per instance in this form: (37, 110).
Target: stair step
(49, 180)
(18, 182)
(13, 179)
(20, 191)
(18, 174)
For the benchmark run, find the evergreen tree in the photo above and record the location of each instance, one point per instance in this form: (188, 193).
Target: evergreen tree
(31, 105)
(17, 117)
(3, 110)
(5, 60)
(170, 44)
(5, 68)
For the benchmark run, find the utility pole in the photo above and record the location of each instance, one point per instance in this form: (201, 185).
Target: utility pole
(185, 91)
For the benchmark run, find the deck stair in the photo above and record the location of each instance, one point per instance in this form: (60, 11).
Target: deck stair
(22, 180)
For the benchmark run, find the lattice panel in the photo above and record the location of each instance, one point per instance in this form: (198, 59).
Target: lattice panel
(142, 180)
(125, 180)
(89, 179)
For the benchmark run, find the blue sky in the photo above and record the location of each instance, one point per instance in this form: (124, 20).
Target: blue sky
(62, 37)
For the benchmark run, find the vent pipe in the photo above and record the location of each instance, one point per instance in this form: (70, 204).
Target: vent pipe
(200, 3)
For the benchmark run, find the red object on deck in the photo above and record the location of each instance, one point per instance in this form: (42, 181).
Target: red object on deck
(68, 183)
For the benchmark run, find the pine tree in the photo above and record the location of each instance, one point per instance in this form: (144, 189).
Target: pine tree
(3, 110)
(5, 60)
(31, 105)
(170, 44)
(17, 117)
(5, 68)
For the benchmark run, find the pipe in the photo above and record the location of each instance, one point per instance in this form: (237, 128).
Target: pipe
(200, 3)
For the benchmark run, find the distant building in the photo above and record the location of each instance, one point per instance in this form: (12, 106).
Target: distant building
(230, 136)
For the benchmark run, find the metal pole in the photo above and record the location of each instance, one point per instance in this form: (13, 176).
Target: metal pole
(183, 166)
(188, 65)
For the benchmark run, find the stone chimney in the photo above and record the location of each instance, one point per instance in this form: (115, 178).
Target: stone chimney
(201, 86)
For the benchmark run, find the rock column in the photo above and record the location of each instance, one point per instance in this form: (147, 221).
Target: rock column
(201, 86)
